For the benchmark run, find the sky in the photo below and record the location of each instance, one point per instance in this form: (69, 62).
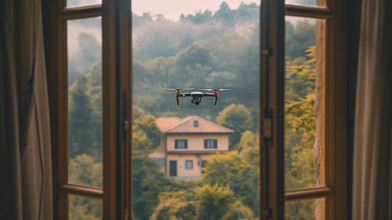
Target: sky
(172, 9)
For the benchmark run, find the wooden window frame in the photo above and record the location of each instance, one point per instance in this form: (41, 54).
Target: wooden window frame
(335, 192)
(115, 193)
(116, 29)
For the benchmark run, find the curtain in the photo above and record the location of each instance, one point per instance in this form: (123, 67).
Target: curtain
(25, 150)
(372, 156)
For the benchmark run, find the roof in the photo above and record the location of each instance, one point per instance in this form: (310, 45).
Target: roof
(186, 125)
(164, 123)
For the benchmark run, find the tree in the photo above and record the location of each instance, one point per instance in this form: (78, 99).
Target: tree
(224, 14)
(236, 117)
(299, 36)
(145, 122)
(300, 123)
(205, 203)
(85, 114)
(199, 18)
(87, 54)
(81, 119)
(85, 208)
(238, 170)
(85, 170)
(300, 131)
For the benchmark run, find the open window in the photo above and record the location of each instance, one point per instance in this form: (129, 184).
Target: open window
(304, 111)
(109, 63)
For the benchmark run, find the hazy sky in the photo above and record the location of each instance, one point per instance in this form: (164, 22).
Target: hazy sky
(172, 9)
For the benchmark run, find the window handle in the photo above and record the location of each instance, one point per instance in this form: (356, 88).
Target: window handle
(125, 120)
(267, 127)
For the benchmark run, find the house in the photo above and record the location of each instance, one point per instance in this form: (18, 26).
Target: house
(187, 144)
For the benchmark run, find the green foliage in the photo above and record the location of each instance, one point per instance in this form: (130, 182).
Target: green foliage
(238, 170)
(145, 122)
(299, 38)
(238, 118)
(85, 114)
(199, 18)
(300, 210)
(81, 119)
(205, 203)
(85, 170)
(85, 141)
(206, 54)
(84, 208)
(300, 123)
(300, 132)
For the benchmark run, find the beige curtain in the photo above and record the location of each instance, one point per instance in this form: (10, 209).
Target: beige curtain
(372, 168)
(25, 155)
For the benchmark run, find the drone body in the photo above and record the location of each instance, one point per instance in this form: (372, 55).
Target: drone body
(196, 94)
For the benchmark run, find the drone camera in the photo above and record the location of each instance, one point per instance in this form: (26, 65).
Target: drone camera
(196, 101)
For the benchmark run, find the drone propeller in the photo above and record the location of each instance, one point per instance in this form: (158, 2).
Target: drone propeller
(177, 89)
(214, 90)
(220, 90)
(170, 89)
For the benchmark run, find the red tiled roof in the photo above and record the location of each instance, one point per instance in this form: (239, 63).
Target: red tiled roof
(164, 123)
(186, 125)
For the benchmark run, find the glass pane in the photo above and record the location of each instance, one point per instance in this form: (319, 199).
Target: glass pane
(305, 209)
(85, 102)
(304, 103)
(79, 3)
(204, 45)
(80, 207)
(313, 3)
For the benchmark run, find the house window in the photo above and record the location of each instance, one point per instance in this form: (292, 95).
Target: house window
(189, 164)
(210, 144)
(195, 123)
(181, 144)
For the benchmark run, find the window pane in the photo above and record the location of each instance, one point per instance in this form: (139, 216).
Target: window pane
(304, 103)
(317, 3)
(305, 209)
(79, 3)
(195, 44)
(85, 102)
(80, 207)
(210, 143)
(189, 164)
(180, 144)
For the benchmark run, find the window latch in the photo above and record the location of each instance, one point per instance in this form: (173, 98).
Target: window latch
(125, 120)
(267, 212)
(126, 125)
(267, 127)
(266, 51)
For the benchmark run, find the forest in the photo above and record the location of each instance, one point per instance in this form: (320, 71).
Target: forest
(204, 49)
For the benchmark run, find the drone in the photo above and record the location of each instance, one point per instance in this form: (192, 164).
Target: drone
(196, 94)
